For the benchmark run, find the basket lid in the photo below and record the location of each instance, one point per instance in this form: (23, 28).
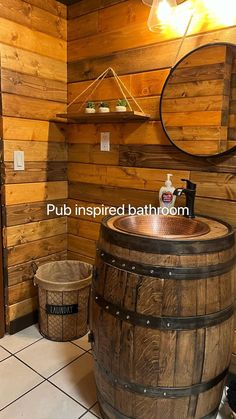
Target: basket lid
(65, 275)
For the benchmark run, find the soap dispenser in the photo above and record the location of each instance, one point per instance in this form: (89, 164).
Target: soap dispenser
(166, 194)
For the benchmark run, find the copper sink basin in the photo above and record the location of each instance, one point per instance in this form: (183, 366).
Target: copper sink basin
(161, 226)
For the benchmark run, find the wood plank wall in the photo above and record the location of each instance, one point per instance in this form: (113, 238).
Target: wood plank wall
(33, 40)
(104, 33)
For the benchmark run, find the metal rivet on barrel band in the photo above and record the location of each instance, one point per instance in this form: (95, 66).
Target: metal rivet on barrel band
(96, 298)
(102, 254)
(170, 273)
(113, 260)
(117, 313)
(123, 264)
(127, 317)
(107, 307)
(133, 268)
(145, 390)
(164, 394)
(152, 271)
(148, 321)
(168, 325)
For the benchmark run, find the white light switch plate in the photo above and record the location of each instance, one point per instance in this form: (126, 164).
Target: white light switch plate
(105, 141)
(19, 160)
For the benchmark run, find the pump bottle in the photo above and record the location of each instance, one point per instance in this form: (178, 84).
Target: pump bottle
(166, 194)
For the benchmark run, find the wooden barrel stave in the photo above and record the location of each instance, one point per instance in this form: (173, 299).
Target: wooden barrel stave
(159, 358)
(170, 357)
(171, 297)
(136, 406)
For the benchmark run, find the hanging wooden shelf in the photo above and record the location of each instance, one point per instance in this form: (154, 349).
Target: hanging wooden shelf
(107, 117)
(103, 118)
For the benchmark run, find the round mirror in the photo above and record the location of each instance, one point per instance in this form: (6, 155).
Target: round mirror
(198, 101)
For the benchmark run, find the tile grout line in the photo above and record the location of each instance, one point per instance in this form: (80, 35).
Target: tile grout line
(31, 344)
(32, 369)
(78, 346)
(72, 398)
(7, 350)
(24, 394)
(92, 412)
(7, 357)
(47, 379)
(83, 415)
(54, 373)
(22, 349)
(44, 379)
(89, 411)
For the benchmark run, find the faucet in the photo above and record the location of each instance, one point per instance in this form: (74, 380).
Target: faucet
(190, 193)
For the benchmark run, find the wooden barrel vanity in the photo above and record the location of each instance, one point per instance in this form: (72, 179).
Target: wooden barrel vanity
(162, 318)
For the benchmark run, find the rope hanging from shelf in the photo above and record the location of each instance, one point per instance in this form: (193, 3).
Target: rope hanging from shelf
(124, 90)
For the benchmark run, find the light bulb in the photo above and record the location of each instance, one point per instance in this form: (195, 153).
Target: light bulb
(161, 14)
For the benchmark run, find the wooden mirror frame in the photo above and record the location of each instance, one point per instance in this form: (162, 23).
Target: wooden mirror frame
(224, 153)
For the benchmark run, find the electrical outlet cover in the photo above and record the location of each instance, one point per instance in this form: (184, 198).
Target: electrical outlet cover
(105, 141)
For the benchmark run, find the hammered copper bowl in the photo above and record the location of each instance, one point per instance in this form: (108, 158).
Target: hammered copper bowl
(161, 226)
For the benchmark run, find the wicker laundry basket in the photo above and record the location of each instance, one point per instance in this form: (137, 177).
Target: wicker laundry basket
(63, 291)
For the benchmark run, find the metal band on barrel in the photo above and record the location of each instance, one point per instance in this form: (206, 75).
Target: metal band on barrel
(116, 413)
(163, 392)
(164, 323)
(165, 272)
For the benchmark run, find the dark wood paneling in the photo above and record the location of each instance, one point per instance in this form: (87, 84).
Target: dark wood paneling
(25, 271)
(167, 157)
(52, 6)
(35, 250)
(36, 172)
(20, 36)
(31, 86)
(21, 291)
(26, 213)
(150, 57)
(110, 196)
(82, 7)
(32, 108)
(34, 17)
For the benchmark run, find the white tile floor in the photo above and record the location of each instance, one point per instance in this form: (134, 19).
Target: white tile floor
(41, 379)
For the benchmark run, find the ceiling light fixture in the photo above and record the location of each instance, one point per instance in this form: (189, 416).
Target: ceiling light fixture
(175, 14)
(161, 14)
